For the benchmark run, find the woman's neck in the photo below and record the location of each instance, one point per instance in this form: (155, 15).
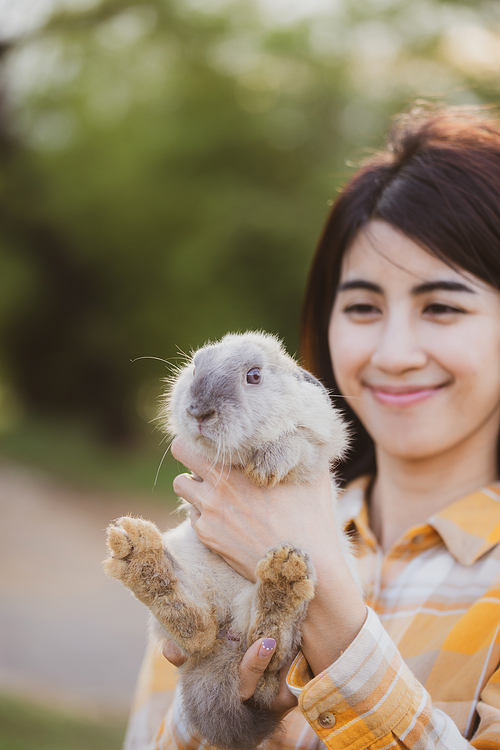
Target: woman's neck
(405, 493)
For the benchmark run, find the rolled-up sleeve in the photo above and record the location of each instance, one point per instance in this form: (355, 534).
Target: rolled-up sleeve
(369, 698)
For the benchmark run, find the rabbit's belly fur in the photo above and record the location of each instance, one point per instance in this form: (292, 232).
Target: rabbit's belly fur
(210, 580)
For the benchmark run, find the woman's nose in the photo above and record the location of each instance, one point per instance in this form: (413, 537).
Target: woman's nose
(398, 348)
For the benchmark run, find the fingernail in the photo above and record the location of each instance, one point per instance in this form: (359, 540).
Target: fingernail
(266, 647)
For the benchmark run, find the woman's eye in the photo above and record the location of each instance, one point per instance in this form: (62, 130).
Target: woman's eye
(361, 310)
(438, 309)
(254, 376)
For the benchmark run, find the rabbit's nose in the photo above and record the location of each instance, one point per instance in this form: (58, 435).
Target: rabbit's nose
(201, 413)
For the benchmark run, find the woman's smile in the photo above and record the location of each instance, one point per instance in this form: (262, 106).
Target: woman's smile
(402, 395)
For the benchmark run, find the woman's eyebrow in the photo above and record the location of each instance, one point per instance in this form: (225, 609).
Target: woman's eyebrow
(447, 286)
(427, 286)
(359, 284)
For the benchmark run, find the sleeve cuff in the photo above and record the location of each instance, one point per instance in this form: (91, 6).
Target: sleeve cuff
(364, 696)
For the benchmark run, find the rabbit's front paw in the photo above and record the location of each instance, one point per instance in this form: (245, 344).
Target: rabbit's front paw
(139, 560)
(287, 567)
(285, 586)
(137, 557)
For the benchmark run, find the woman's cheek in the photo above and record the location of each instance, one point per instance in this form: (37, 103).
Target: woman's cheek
(350, 354)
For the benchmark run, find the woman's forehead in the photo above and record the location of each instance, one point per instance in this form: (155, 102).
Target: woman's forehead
(382, 254)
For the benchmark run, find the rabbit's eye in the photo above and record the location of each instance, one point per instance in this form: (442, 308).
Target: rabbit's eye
(253, 376)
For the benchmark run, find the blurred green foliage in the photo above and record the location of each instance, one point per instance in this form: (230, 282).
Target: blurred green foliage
(26, 726)
(69, 452)
(165, 169)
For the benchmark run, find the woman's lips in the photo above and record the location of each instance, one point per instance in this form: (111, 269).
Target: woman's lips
(400, 397)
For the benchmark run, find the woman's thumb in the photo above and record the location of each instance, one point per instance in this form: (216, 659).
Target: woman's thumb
(253, 665)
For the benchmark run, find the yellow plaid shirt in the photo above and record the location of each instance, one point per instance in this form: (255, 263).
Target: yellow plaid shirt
(423, 673)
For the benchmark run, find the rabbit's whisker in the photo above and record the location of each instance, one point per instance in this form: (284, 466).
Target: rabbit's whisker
(240, 460)
(221, 469)
(230, 463)
(346, 398)
(165, 361)
(161, 463)
(215, 460)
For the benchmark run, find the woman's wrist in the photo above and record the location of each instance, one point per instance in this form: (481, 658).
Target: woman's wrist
(334, 617)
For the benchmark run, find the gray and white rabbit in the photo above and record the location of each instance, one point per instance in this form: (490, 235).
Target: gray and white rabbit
(241, 402)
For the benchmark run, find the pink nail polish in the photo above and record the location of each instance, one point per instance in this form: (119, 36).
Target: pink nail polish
(267, 647)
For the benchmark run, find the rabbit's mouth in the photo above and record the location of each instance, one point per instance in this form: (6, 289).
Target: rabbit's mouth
(205, 431)
(217, 439)
(206, 428)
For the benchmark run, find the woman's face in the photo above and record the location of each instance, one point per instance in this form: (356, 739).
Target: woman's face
(415, 347)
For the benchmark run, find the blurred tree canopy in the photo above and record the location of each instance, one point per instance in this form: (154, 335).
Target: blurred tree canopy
(165, 169)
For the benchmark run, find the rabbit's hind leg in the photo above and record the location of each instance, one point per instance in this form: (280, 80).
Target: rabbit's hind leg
(139, 560)
(285, 585)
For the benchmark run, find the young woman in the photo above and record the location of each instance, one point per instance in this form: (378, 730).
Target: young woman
(402, 318)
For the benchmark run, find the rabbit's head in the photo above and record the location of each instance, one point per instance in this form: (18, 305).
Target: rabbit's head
(236, 395)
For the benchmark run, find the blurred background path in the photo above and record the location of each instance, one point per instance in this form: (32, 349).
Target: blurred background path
(69, 636)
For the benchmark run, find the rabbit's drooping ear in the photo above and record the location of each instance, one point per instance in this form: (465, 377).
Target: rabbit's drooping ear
(306, 375)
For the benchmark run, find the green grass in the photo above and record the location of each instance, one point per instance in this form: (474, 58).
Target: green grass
(26, 726)
(69, 452)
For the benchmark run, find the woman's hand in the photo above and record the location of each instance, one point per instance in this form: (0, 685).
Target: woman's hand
(241, 522)
(252, 668)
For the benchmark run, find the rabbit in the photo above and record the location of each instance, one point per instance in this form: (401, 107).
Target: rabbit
(240, 402)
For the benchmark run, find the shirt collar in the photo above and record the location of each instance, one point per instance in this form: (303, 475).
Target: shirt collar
(469, 527)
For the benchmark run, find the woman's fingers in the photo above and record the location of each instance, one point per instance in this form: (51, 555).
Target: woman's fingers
(173, 654)
(196, 463)
(285, 700)
(187, 486)
(252, 668)
(194, 515)
(253, 665)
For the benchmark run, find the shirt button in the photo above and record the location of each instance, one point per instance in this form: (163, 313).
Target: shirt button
(418, 538)
(326, 720)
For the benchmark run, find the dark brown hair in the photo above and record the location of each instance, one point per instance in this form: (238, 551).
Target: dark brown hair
(438, 182)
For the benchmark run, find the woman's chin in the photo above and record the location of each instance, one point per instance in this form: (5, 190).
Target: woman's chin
(411, 450)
